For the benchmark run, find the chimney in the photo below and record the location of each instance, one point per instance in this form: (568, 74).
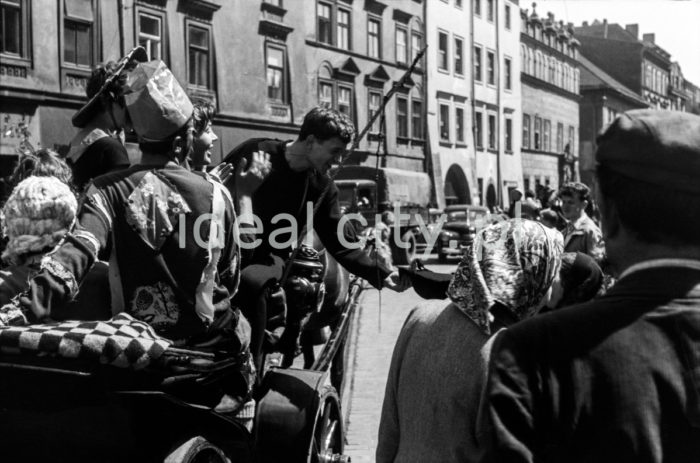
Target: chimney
(648, 38)
(633, 29)
(605, 28)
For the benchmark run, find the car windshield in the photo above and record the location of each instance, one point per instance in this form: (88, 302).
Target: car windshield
(345, 194)
(461, 216)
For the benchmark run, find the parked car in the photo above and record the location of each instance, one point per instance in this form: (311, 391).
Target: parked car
(369, 192)
(463, 221)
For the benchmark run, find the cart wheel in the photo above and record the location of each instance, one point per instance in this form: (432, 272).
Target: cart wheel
(327, 444)
(197, 450)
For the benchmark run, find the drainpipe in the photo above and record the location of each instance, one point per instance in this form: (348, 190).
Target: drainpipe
(428, 165)
(473, 98)
(120, 18)
(500, 119)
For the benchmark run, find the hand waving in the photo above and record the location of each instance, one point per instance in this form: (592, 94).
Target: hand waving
(250, 175)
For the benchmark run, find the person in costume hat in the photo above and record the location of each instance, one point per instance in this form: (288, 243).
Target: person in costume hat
(174, 261)
(98, 147)
(616, 379)
(294, 174)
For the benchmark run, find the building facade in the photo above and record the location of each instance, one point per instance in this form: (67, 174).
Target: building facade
(602, 99)
(677, 89)
(640, 65)
(496, 102)
(264, 63)
(550, 78)
(449, 99)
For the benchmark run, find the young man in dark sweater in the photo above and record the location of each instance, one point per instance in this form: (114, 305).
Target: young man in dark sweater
(293, 174)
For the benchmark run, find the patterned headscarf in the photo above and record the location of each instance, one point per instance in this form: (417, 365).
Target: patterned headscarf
(513, 262)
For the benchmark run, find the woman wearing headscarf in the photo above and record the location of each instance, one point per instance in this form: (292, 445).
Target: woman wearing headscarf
(439, 362)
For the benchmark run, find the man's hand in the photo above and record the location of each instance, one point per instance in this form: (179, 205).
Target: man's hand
(397, 282)
(250, 175)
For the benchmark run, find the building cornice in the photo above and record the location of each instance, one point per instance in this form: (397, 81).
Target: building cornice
(390, 64)
(543, 85)
(60, 99)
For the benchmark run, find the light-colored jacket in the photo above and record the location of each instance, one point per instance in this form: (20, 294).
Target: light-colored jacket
(434, 388)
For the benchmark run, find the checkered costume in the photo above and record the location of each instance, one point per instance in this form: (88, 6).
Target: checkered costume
(121, 341)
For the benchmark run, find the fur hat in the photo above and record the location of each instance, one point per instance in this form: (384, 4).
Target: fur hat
(39, 212)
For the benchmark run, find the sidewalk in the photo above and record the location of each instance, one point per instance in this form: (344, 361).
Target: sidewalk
(372, 358)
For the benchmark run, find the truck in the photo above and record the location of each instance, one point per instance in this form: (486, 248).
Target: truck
(368, 191)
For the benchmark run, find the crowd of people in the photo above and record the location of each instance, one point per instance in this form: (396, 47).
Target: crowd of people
(530, 362)
(537, 356)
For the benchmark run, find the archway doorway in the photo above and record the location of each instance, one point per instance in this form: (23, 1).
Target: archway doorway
(491, 197)
(456, 186)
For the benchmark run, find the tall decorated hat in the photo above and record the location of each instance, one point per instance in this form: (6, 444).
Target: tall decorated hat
(157, 104)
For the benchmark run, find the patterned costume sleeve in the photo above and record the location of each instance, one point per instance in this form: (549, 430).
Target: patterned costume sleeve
(229, 266)
(64, 268)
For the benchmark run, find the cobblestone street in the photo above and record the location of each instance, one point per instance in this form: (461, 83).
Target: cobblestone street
(377, 333)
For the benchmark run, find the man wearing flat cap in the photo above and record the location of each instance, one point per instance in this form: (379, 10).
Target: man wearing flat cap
(616, 379)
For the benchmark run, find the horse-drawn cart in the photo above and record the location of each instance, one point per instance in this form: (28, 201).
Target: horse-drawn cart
(76, 409)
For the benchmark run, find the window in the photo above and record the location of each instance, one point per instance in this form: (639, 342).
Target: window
(479, 130)
(538, 130)
(459, 124)
(325, 94)
(508, 17)
(477, 7)
(416, 44)
(552, 70)
(508, 76)
(509, 134)
(477, 64)
(444, 122)
(526, 131)
(275, 74)
(401, 117)
(546, 135)
(198, 56)
(560, 137)
(489, 10)
(343, 29)
(458, 3)
(374, 102)
(345, 101)
(151, 35)
(401, 44)
(337, 95)
(459, 56)
(491, 67)
(14, 28)
(323, 23)
(570, 143)
(78, 33)
(374, 38)
(442, 51)
(417, 119)
(492, 131)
